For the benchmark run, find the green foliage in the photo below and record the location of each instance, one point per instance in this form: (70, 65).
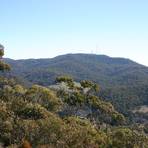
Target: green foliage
(1, 50)
(126, 138)
(29, 118)
(83, 134)
(43, 96)
(146, 128)
(3, 66)
(93, 87)
(99, 110)
(118, 119)
(86, 83)
(32, 111)
(66, 79)
(74, 99)
(106, 111)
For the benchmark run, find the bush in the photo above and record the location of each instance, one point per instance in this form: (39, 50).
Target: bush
(32, 111)
(44, 97)
(66, 79)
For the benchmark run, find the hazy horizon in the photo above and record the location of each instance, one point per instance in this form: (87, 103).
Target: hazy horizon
(45, 29)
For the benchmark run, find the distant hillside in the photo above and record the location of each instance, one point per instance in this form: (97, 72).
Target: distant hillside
(99, 68)
(122, 81)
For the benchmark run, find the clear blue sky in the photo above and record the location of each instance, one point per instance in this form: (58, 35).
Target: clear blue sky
(46, 28)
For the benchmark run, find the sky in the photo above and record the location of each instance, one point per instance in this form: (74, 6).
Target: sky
(47, 28)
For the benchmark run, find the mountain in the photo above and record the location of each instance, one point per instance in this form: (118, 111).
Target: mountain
(122, 81)
(100, 68)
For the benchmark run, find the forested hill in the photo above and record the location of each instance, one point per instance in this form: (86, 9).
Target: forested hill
(100, 68)
(123, 82)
